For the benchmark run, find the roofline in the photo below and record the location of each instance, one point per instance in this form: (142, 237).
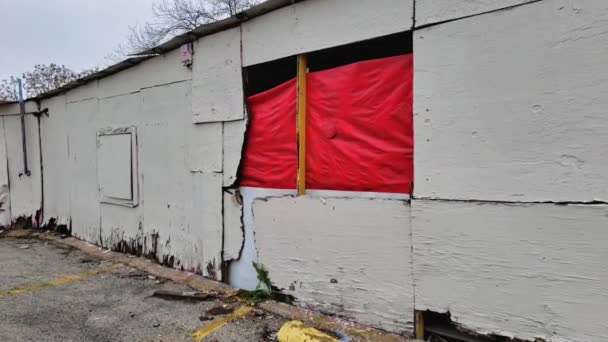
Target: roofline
(172, 44)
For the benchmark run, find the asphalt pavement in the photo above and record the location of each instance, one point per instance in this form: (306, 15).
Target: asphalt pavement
(53, 292)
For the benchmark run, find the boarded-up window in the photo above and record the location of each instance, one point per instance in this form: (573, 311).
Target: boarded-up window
(359, 127)
(117, 166)
(359, 134)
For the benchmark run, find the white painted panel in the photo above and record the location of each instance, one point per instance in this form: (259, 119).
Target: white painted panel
(84, 92)
(181, 164)
(317, 24)
(81, 130)
(351, 257)
(434, 11)
(193, 234)
(25, 191)
(119, 111)
(234, 233)
(511, 105)
(161, 140)
(5, 199)
(204, 147)
(208, 202)
(168, 109)
(54, 131)
(114, 165)
(234, 139)
(529, 271)
(217, 82)
(159, 70)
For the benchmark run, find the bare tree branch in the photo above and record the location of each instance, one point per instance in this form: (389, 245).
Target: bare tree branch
(8, 89)
(42, 79)
(174, 17)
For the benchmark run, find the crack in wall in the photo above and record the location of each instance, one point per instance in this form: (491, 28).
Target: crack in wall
(481, 201)
(471, 15)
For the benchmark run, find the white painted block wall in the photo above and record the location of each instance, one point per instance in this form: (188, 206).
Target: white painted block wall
(534, 270)
(511, 105)
(350, 257)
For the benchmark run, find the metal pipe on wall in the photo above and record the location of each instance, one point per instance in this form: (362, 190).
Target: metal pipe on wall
(26, 170)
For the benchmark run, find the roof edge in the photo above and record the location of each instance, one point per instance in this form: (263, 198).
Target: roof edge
(172, 44)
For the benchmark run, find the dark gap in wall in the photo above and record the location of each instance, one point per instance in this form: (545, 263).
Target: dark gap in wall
(439, 327)
(260, 77)
(387, 46)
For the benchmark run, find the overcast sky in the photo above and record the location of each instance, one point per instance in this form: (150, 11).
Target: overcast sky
(76, 33)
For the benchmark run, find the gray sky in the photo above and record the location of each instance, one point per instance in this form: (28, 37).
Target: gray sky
(76, 33)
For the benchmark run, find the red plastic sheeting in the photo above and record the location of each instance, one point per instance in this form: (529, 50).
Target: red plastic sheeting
(359, 130)
(359, 127)
(270, 159)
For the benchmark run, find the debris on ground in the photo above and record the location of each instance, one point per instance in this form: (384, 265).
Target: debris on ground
(204, 318)
(184, 295)
(219, 310)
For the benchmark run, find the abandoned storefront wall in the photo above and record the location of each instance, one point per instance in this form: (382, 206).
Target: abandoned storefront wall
(146, 161)
(181, 134)
(509, 106)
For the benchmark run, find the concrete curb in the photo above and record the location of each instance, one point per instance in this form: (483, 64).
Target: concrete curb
(315, 319)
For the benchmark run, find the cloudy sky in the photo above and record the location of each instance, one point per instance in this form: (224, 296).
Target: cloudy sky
(77, 33)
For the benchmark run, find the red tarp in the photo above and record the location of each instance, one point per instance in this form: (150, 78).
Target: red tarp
(271, 155)
(359, 130)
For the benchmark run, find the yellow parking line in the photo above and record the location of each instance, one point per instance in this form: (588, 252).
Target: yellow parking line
(207, 329)
(296, 331)
(60, 281)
